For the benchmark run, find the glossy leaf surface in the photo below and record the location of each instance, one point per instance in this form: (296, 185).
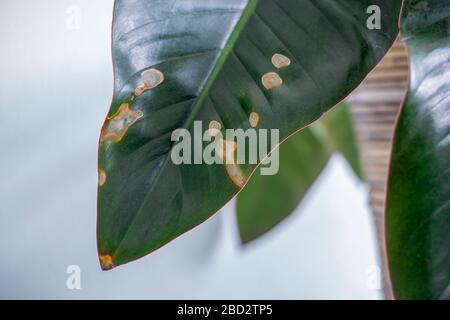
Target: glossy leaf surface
(340, 136)
(182, 61)
(418, 202)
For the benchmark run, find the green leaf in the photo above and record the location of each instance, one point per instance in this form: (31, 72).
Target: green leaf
(267, 200)
(418, 202)
(337, 131)
(177, 62)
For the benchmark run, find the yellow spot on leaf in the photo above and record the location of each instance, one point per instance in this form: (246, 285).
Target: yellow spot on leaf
(117, 125)
(150, 79)
(280, 61)
(226, 150)
(106, 262)
(214, 128)
(271, 80)
(253, 119)
(101, 178)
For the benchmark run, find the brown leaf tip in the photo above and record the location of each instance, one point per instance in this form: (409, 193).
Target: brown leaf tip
(106, 262)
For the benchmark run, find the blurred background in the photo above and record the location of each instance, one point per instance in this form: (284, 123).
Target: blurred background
(55, 89)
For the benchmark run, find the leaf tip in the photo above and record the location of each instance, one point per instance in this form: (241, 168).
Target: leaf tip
(118, 124)
(280, 61)
(106, 262)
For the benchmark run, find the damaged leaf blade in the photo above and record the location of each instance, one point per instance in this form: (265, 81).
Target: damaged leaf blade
(302, 159)
(177, 62)
(417, 206)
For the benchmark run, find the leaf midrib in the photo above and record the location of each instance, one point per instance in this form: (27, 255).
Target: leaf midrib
(227, 50)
